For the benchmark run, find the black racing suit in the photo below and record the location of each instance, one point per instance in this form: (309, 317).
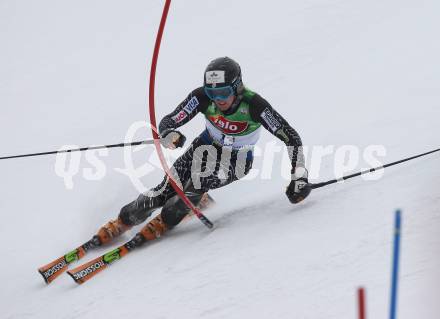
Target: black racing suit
(221, 173)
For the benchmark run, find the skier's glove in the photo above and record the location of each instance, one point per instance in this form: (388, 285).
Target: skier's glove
(298, 189)
(172, 139)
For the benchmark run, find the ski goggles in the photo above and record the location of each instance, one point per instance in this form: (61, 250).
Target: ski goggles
(222, 93)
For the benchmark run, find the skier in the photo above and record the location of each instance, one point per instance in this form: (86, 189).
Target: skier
(234, 116)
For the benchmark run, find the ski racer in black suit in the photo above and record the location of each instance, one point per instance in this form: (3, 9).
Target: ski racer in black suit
(234, 117)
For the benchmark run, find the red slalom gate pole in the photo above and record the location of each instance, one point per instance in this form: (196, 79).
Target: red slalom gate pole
(171, 180)
(361, 303)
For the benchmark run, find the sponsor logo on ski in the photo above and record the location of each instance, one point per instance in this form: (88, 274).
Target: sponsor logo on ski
(270, 120)
(191, 105)
(91, 269)
(112, 256)
(54, 269)
(228, 127)
(179, 117)
(72, 256)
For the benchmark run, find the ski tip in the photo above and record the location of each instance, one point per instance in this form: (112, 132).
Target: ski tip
(88, 270)
(51, 271)
(73, 277)
(41, 272)
(49, 277)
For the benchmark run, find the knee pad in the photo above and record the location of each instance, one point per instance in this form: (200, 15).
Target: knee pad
(175, 209)
(133, 214)
(127, 212)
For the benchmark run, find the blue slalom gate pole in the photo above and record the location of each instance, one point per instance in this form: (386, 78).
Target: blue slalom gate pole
(395, 270)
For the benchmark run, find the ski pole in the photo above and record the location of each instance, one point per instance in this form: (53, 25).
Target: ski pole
(318, 185)
(80, 149)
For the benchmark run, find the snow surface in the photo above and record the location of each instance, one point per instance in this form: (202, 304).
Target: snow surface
(342, 72)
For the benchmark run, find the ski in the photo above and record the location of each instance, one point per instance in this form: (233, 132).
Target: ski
(88, 270)
(52, 270)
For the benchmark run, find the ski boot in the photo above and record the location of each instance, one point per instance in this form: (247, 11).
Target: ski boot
(112, 229)
(154, 229)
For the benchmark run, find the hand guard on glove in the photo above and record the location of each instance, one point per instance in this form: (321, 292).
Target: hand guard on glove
(172, 139)
(298, 189)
